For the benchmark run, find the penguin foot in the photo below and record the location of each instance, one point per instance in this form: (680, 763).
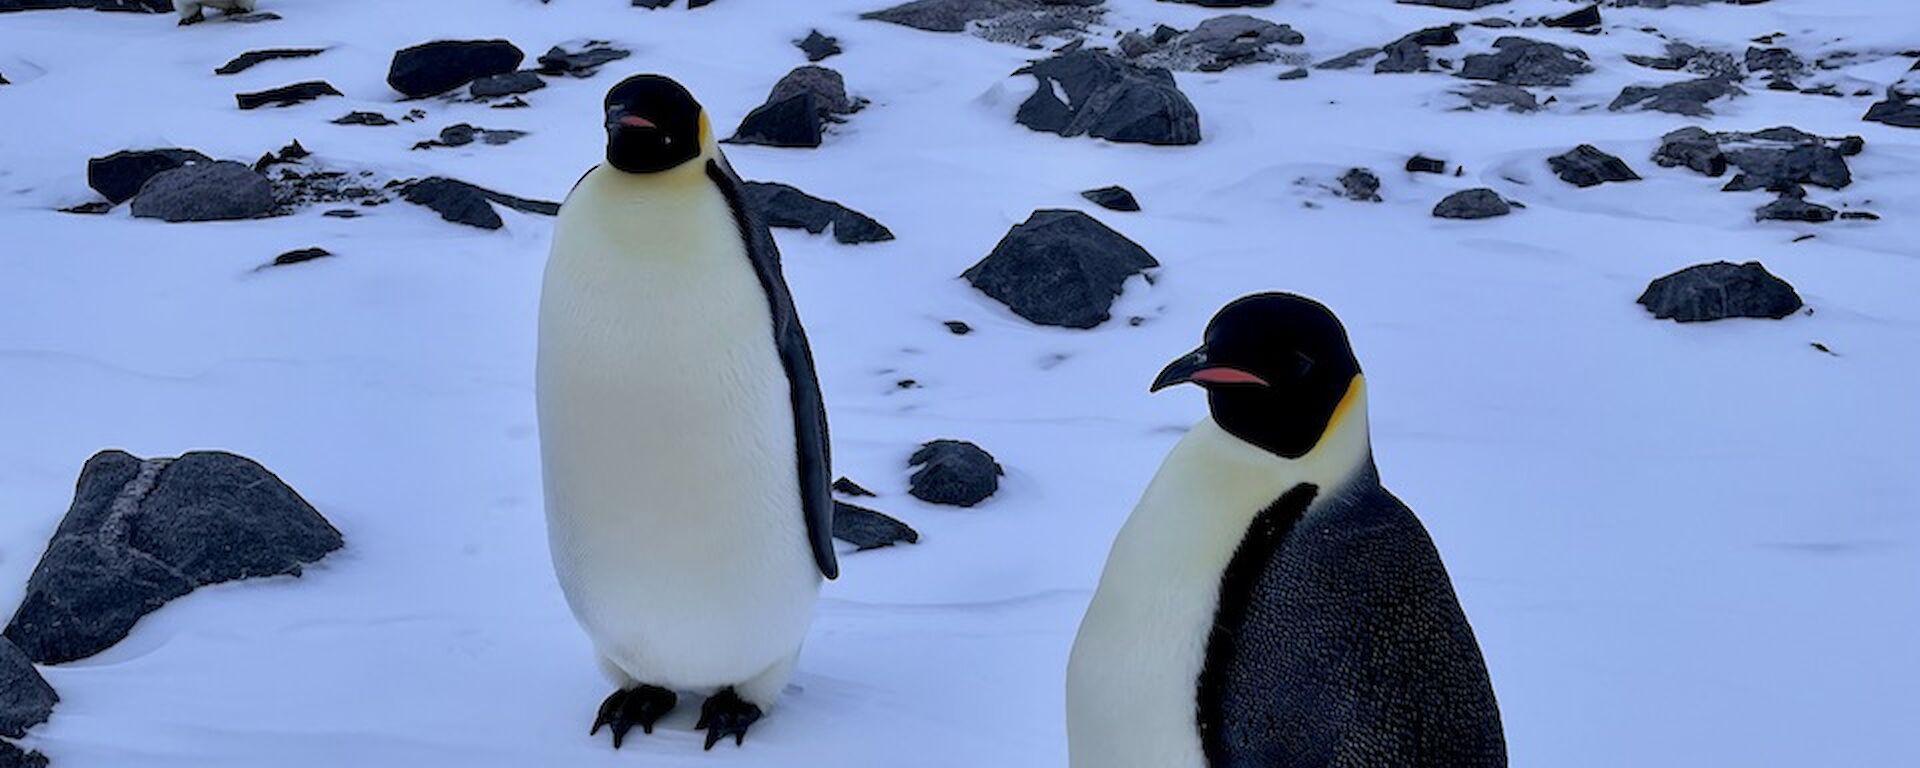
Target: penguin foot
(642, 706)
(197, 17)
(726, 714)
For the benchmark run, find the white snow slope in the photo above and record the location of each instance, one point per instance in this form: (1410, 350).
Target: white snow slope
(1680, 545)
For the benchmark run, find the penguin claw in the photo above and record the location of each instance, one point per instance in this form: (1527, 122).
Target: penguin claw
(726, 714)
(625, 709)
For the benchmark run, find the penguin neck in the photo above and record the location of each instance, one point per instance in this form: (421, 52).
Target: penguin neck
(1344, 451)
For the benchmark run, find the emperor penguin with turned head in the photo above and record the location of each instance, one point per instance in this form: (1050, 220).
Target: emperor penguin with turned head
(1268, 604)
(682, 431)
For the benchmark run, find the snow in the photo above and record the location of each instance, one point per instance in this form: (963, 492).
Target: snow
(1679, 545)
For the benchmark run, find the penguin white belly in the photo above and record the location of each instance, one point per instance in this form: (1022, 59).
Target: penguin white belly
(1132, 698)
(667, 436)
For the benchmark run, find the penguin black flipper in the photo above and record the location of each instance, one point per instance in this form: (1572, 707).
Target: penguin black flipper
(809, 408)
(1347, 646)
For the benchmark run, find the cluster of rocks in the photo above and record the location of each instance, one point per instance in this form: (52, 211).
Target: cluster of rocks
(1022, 22)
(798, 110)
(1783, 160)
(1682, 57)
(582, 62)
(1213, 46)
(1060, 268)
(1718, 291)
(1110, 98)
(1901, 108)
(954, 473)
(1407, 54)
(1524, 62)
(783, 206)
(462, 134)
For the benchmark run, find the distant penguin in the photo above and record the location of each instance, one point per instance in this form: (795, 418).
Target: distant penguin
(194, 11)
(1268, 604)
(682, 430)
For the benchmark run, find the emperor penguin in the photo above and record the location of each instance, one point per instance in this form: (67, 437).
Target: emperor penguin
(194, 11)
(1268, 604)
(682, 432)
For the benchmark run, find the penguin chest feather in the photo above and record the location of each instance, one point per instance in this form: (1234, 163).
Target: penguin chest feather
(667, 435)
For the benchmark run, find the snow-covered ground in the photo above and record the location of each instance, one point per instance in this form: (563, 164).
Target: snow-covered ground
(1681, 545)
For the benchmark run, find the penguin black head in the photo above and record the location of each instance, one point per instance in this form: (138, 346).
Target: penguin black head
(1276, 368)
(653, 125)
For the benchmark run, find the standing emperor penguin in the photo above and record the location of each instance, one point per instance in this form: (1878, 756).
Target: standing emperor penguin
(682, 432)
(1269, 604)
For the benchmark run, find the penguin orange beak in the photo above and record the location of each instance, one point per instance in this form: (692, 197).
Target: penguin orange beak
(636, 121)
(1195, 368)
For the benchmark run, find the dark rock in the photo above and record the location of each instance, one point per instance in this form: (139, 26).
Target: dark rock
(796, 121)
(1113, 199)
(848, 487)
(1436, 37)
(213, 191)
(1859, 216)
(245, 61)
(1109, 98)
(1525, 62)
(1694, 148)
(866, 529)
(463, 203)
(786, 207)
(1060, 268)
(286, 96)
(1793, 206)
(1778, 169)
(1224, 3)
(12, 757)
(364, 118)
(1689, 97)
(1720, 290)
(817, 46)
(1458, 5)
(434, 68)
(1473, 204)
(958, 328)
(143, 532)
(1581, 19)
(828, 88)
(342, 213)
(25, 698)
(1776, 158)
(462, 134)
(581, 63)
(93, 208)
(1587, 166)
(510, 84)
(1215, 45)
(1350, 59)
(299, 256)
(953, 472)
(120, 176)
(1297, 73)
(1403, 56)
(955, 15)
(1894, 112)
(1781, 61)
(1424, 164)
(1361, 184)
(1489, 95)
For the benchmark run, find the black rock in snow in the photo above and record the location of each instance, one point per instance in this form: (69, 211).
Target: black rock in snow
(847, 487)
(434, 68)
(953, 472)
(462, 134)
(1115, 198)
(1525, 62)
(818, 47)
(1694, 148)
(463, 203)
(364, 118)
(1361, 184)
(1224, 3)
(866, 529)
(1793, 206)
(1688, 97)
(1581, 19)
(1894, 112)
(1489, 95)
(1780, 61)
(958, 328)
(581, 63)
(1403, 56)
(1718, 291)
(120, 176)
(300, 256)
(1458, 5)
(287, 95)
(794, 122)
(828, 87)
(1297, 73)
(786, 207)
(1587, 166)
(245, 61)
(1108, 98)
(25, 698)
(1350, 59)
(1778, 158)
(510, 84)
(1214, 45)
(12, 757)
(1061, 268)
(1424, 164)
(1473, 204)
(955, 15)
(143, 532)
(214, 191)
(1434, 37)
